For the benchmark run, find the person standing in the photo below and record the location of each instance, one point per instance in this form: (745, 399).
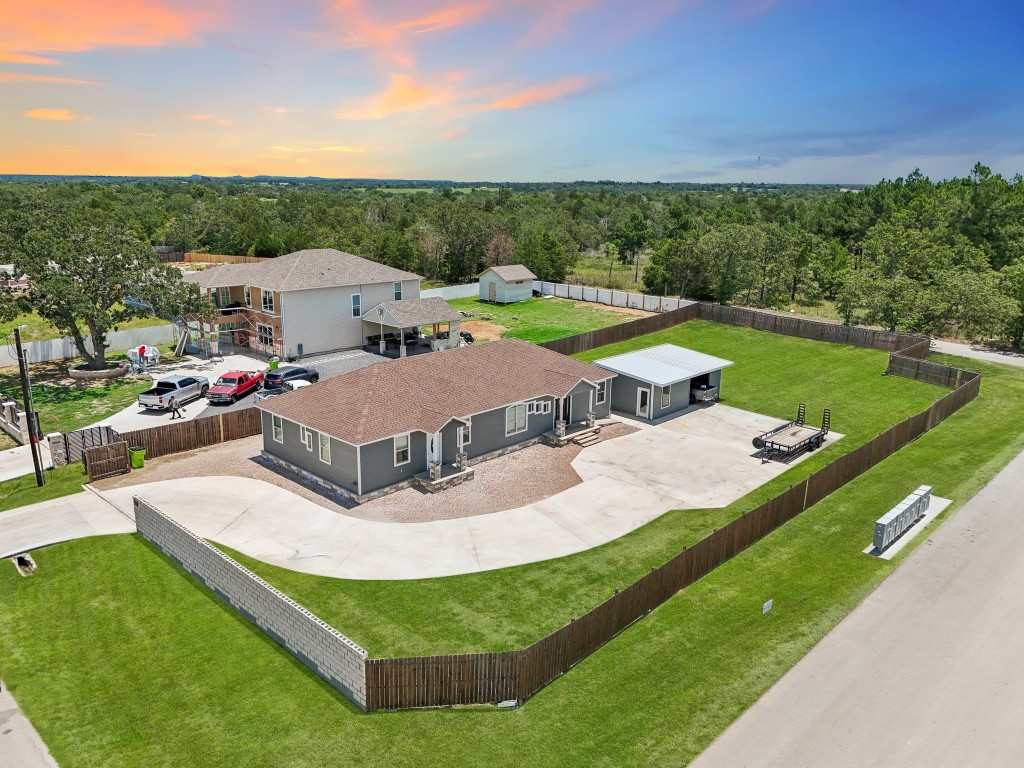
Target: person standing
(175, 407)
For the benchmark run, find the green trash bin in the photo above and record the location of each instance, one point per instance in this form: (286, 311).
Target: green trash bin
(274, 362)
(137, 454)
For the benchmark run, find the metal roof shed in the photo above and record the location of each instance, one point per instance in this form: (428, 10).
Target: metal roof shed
(657, 381)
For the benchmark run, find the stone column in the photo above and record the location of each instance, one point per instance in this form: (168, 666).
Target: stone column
(58, 450)
(559, 428)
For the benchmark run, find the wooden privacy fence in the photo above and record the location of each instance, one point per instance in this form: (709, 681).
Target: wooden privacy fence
(198, 433)
(487, 678)
(571, 345)
(219, 258)
(908, 345)
(107, 460)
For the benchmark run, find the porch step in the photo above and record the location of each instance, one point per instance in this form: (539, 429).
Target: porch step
(587, 440)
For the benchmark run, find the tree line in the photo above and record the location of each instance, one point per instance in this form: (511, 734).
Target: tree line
(909, 254)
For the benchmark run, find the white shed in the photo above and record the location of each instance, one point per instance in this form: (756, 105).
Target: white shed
(505, 285)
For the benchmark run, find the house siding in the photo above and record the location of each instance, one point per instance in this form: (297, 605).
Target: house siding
(450, 441)
(680, 399)
(604, 410)
(378, 462)
(623, 397)
(321, 318)
(489, 430)
(341, 471)
(580, 405)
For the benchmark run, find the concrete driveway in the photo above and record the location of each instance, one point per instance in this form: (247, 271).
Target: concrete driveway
(133, 417)
(51, 522)
(978, 352)
(700, 459)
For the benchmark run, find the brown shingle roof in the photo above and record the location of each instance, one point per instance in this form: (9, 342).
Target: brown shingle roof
(511, 272)
(314, 268)
(426, 391)
(409, 313)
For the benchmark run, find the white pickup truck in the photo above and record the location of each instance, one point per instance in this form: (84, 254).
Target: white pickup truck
(183, 388)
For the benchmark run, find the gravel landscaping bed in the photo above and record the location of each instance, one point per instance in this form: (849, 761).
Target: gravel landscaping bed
(507, 482)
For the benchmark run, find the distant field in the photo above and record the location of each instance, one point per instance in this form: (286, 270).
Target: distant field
(594, 271)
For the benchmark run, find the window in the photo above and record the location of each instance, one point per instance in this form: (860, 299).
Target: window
(248, 297)
(306, 436)
(398, 291)
(325, 448)
(467, 431)
(401, 450)
(515, 419)
(602, 391)
(277, 424)
(538, 406)
(223, 297)
(265, 334)
(357, 305)
(666, 397)
(268, 301)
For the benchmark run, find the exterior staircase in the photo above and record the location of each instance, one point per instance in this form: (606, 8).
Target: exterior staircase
(587, 439)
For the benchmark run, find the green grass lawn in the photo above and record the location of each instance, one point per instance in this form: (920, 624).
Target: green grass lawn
(39, 329)
(22, 491)
(131, 662)
(65, 406)
(541, 320)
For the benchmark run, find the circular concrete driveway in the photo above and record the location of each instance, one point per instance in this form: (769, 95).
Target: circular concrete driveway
(696, 461)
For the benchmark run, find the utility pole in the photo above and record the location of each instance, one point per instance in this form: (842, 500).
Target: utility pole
(30, 413)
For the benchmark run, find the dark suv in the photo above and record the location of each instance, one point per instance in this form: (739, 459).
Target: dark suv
(288, 374)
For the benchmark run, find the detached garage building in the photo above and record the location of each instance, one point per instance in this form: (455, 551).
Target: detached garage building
(660, 380)
(505, 285)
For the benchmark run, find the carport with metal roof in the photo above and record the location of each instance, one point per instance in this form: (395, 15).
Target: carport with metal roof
(662, 380)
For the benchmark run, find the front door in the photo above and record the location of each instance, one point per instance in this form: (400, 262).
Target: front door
(643, 403)
(564, 409)
(492, 292)
(434, 448)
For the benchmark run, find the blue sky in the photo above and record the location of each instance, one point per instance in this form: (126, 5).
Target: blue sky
(513, 90)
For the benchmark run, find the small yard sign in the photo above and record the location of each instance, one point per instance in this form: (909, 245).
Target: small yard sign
(766, 607)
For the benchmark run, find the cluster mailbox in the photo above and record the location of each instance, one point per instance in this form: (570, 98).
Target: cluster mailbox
(896, 521)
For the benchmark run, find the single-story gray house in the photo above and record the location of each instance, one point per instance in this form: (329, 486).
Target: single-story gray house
(376, 429)
(657, 381)
(505, 285)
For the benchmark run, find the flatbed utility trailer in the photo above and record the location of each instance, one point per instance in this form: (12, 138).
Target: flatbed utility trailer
(793, 438)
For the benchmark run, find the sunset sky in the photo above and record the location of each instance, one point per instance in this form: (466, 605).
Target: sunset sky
(513, 90)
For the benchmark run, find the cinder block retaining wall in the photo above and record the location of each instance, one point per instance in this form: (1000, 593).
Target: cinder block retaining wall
(319, 646)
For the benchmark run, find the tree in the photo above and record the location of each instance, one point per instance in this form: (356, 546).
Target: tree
(1011, 282)
(631, 237)
(542, 253)
(80, 274)
(499, 249)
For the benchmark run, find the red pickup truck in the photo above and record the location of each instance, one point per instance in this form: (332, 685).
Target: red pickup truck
(234, 385)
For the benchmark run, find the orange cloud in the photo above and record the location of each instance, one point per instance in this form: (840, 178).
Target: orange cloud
(60, 115)
(23, 77)
(454, 133)
(59, 25)
(551, 20)
(542, 93)
(282, 110)
(303, 150)
(402, 95)
(9, 57)
(208, 118)
(391, 36)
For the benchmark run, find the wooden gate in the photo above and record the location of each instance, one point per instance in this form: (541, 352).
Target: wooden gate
(107, 460)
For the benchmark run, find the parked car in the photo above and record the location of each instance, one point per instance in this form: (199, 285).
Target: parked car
(234, 385)
(266, 394)
(183, 388)
(289, 374)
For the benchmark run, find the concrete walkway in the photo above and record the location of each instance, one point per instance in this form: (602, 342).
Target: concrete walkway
(979, 352)
(699, 460)
(925, 672)
(20, 744)
(51, 522)
(17, 461)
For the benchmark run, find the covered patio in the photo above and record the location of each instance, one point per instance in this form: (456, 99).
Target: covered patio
(393, 328)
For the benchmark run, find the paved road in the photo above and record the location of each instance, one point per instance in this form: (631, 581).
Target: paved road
(979, 353)
(926, 672)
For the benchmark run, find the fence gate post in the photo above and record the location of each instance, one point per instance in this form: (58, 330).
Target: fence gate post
(220, 421)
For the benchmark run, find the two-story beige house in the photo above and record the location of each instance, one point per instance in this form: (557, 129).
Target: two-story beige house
(303, 303)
